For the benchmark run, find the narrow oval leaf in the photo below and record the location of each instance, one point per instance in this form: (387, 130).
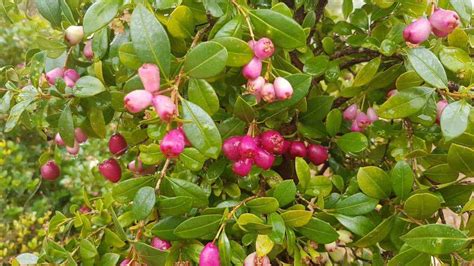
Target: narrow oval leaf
(205, 60)
(405, 103)
(356, 204)
(319, 231)
(99, 15)
(402, 178)
(175, 205)
(377, 234)
(296, 218)
(367, 72)
(143, 202)
(88, 86)
(374, 182)
(66, 126)
(263, 205)
(125, 191)
(353, 142)
(185, 188)
(239, 52)
(428, 67)
(203, 94)
(198, 226)
(243, 110)
(460, 158)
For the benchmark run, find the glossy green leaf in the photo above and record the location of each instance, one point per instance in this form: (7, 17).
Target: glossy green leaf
(460, 158)
(263, 205)
(353, 142)
(181, 23)
(408, 80)
(243, 110)
(203, 94)
(285, 192)
(50, 10)
(367, 72)
(402, 178)
(185, 188)
(225, 250)
(278, 227)
(143, 202)
(174, 205)
(192, 159)
(405, 103)
(377, 234)
(317, 65)
(454, 59)
(441, 173)
(300, 84)
(15, 114)
(356, 204)
(427, 65)
(150, 255)
(87, 250)
(374, 182)
(454, 119)
(198, 226)
(128, 57)
(333, 122)
(359, 225)
(422, 205)
(164, 229)
(302, 172)
(205, 60)
(318, 107)
(410, 257)
(99, 15)
(319, 231)
(66, 126)
(239, 52)
(88, 86)
(296, 218)
(125, 191)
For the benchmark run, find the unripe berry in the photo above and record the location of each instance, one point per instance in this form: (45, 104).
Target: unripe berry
(242, 167)
(209, 256)
(362, 120)
(125, 262)
(54, 74)
(74, 150)
(264, 159)
(111, 170)
(338, 254)
(80, 135)
(351, 112)
(160, 244)
(317, 154)
(69, 82)
(440, 106)
(263, 48)
(297, 149)
(444, 21)
(71, 74)
(117, 144)
(150, 77)
(268, 93)
(272, 141)
(252, 69)
(74, 35)
(372, 115)
(330, 247)
(59, 141)
(355, 127)
(136, 101)
(172, 144)
(165, 108)
(248, 147)
(391, 93)
(255, 85)
(283, 88)
(345, 236)
(50, 170)
(230, 148)
(88, 52)
(418, 31)
(253, 260)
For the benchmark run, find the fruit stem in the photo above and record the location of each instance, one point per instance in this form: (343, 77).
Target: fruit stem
(162, 175)
(247, 19)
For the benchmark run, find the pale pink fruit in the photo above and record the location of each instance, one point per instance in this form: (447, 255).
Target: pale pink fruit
(125, 262)
(255, 85)
(351, 112)
(165, 107)
(362, 120)
(372, 115)
(355, 127)
(252, 69)
(172, 144)
(440, 106)
(283, 88)
(80, 135)
(160, 244)
(253, 260)
(72, 74)
(136, 101)
(209, 256)
(264, 48)
(74, 35)
(88, 52)
(418, 31)
(54, 74)
(268, 93)
(444, 21)
(74, 150)
(59, 141)
(150, 76)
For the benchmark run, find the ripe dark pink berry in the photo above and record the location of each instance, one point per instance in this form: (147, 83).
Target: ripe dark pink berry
(252, 69)
(111, 170)
(263, 48)
(230, 148)
(443, 22)
(209, 256)
(80, 135)
(150, 76)
(117, 144)
(248, 147)
(165, 108)
(88, 52)
(172, 144)
(317, 154)
(272, 141)
(286, 147)
(50, 171)
(242, 167)
(418, 31)
(54, 74)
(351, 112)
(137, 100)
(283, 88)
(160, 244)
(297, 149)
(264, 159)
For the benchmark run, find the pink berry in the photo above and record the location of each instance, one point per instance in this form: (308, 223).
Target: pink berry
(172, 144)
(362, 120)
(391, 93)
(117, 144)
(272, 141)
(72, 74)
(160, 244)
(84, 209)
(74, 35)
(69, 82)
(268, 93)
(150, 77)
(440, 106)
(355, 127)
(418, 31)
(372, 115)
(283, 88)
(50, 171)
(186, 141)
(125, 262)
(286, 147)
(264, 159)
(137, 100)
(253, 260)
(252, 43)
(297, 149)
(230, 148)
(136, 167)
(444, 21)
(242, 167)
(111, 170)
(54, 74)
(88, 52)
(255, 85)
(165, 108)
(263, 48)
(80, 135)
(74, 150)
(252, 69)
(248, 147)
(59, 141)
(317, 154)
(209, 256)
(351, 112)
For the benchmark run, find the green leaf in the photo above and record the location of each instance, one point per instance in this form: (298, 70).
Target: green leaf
(150, 255)
(198, 226)
(99, 15)
(201, 130)
(239, 52)
(282, 30)
(251, 222)
(97, 121)
(150, 40)
(359, 225)
(319, 231)
(296, 218)
(319, 186)
(231, 127)
(128, 57)
(408, 80)
(285, 192)
(109, 259)
(367, 72)
(50, 10)
(263, 245)
(410, 257)
(185, 188)
(66, 126)
(88, 86)
(181, 23)
(333, 122)
(422, 205)
(377, 234)
(435, 239)
(151, 154)
(192, 159)
(356, 204)
(374, 182)
(164, 229)
(427, 65)
(405, 103)
(460, 158)
(441, 173)
(454, 119)
(317, 65)
(225, 251)
(205, 60)
(203, 94)
(402, 178)
(143, 202)
(87, 250)
(263, 205)
(278, 228)
(15, 114)
(125, 191)
(318, 108)
(243, 110)
(347, 7)
(303, 173)
(454, 59)
(464, 9)
(353, 142)
(175, 205)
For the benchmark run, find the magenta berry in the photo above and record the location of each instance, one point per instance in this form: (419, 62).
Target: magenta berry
(351, 112)
(72, 74)
(59, 141)
(440, 106)
(172, 144)
(372, 115)
(165, 108)
(317, 154)
(443, 21)
(255, 85)
(362, 120)
(283, 88)
(253, 69)
(251, 44)
(80, 135)
(297, 149)
(74, 150)
(272, 141)
(150, 77)
(263, 48)
(242, 167)
(264, 159)
(74, 35)
(84, 209)
(88, 52)
(355, 127)
(268, 93)
(230, 148)
(160, 244)
(418, 31)
(137, 100)
(248, 147)
(50, 171)
(125, 262)
(209, 256)
(111, 170)
(286, 147)
(54, 74)
(117, 144)
(253, 260)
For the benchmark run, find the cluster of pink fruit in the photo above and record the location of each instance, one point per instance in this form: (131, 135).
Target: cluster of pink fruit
(70, 76)
(442, 22)
(245, 151)
(210, 257)
(360, 120)
(157, 243)
(74, 35)
(281, 89)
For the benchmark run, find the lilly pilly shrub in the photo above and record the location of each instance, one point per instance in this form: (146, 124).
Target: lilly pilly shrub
(257, 133)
